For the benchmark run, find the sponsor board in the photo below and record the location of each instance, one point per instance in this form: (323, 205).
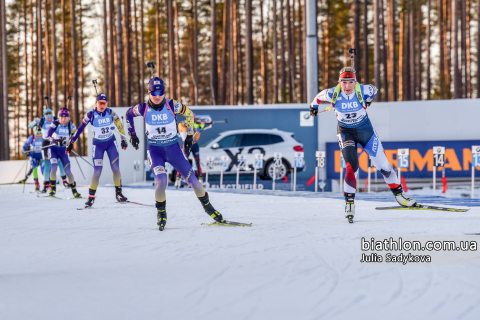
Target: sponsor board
(457, 161)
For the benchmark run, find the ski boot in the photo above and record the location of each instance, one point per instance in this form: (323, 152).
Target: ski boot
(46, 186)
(75, 193)
(118, 194)
(91, 197)
(37, 185)
(209, 209)
(53, 188)
(401, 199)
(349, 206)
(161, 214)
(65, 183)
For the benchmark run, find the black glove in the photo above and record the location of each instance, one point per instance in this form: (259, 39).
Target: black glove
(70, 146)
(134, 141)
(187, 145)
(368, 103)
(124, 144)
(313, 111)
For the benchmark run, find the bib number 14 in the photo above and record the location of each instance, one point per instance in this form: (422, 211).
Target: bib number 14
(162, 130)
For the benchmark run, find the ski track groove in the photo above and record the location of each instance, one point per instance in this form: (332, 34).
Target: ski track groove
(430, 274)
(327, 294)
(213, 278)
(470, 308)
(395, 295)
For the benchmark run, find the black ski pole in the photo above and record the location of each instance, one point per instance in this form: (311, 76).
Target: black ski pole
(82, 158)
(95, 85)
(352, 52)
(151, 66)
(80, 167)
(46, 101)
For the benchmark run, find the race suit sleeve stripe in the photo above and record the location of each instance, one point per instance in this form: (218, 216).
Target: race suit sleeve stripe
(182, 109)
(118, 124)
(73, 128)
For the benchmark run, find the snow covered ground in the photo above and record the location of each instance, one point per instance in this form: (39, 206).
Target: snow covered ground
(299, 260)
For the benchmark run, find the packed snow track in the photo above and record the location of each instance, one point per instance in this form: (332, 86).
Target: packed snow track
(299, 260)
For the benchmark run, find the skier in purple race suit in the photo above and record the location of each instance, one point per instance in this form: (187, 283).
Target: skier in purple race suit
(59, 133)
(104, 121)
(159, 115)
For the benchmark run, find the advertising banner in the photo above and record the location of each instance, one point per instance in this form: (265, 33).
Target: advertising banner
(457, 160)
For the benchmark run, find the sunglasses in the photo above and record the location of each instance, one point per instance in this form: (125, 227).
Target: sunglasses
(48, 114)
(157, 93)
(102, 103)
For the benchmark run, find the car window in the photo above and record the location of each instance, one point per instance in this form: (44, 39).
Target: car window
(259, 139)
(275, 139)
(230, 141)
(253, 139)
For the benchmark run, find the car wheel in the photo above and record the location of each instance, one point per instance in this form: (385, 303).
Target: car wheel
(280, 172)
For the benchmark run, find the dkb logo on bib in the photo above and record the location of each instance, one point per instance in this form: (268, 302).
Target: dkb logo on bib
(157, 117)
(104, 121)
(349, 105)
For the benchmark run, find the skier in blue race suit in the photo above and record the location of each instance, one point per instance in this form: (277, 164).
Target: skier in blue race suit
(59, 133)
(159, 115)
(32, 148)
(44, 124)
(103, 121)
(350, 100)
